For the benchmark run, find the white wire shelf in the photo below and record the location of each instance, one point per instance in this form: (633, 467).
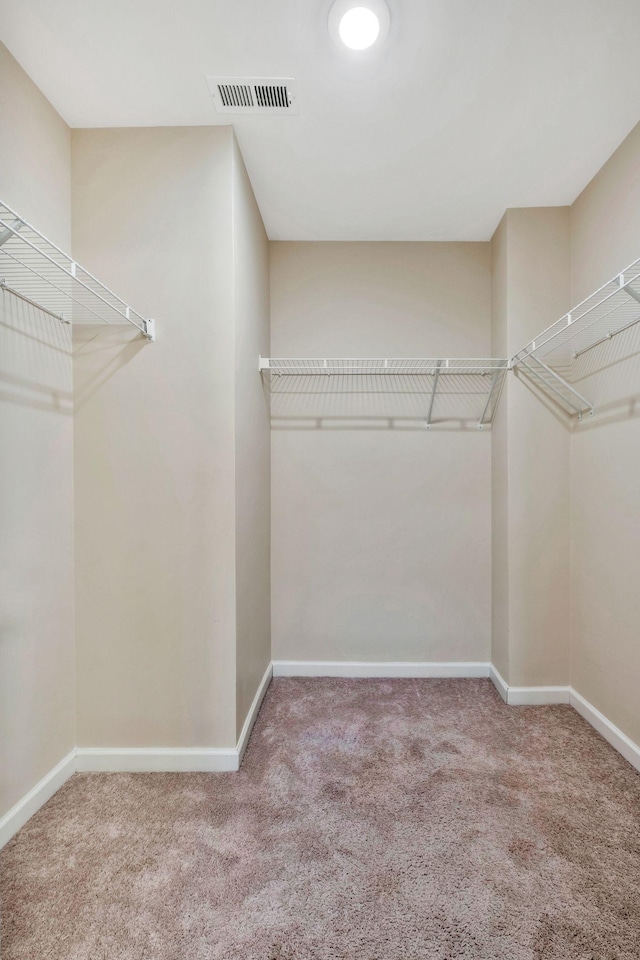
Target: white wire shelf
(552, 359)
(38, 272)
(435, 390)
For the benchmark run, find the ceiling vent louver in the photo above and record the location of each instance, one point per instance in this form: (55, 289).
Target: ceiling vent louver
(253, 94)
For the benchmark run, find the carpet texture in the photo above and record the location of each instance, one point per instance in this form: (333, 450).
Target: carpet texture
(371, 820)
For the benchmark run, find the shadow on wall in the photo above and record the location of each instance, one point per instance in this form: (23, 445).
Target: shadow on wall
(36, 544)
(376, 402)
(36, 351)
(626, 408)
(106, 350)
(35, 354)
(609, 375)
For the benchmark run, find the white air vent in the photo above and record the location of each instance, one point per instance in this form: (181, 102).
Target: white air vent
(253, 94)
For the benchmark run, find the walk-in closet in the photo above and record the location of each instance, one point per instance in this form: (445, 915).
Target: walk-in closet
(319, 500)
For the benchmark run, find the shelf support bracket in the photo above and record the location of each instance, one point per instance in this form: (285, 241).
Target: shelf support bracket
(628, 289)
(10, 231)
(434, 389)
(495, 379)
(149, 329)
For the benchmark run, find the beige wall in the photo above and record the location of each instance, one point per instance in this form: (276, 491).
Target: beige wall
(37, 685)
(380, 530)
(531, 457)
(605, 494)
(252, 443)
(154, 441)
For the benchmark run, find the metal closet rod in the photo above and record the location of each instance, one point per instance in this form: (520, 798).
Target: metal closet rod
(624, 279)
(612, 333)
(38, 306)
(359, 372)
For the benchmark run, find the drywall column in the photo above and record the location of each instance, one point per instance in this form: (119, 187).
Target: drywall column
(252, 443)
(37, 711)
(530, 458)
(500, 606)
(172, 452)
(155, 441)
(605, 455)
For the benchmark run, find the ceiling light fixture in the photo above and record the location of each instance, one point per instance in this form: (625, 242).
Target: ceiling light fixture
(358, 26)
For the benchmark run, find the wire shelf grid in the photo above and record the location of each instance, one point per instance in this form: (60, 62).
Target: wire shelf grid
(614, 307)
(553, 358)
(37, 271)
(298, 366)
(442, 389)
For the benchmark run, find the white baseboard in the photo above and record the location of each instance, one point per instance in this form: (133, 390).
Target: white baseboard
(173, 759)
(36, 797)
(133, 760)
(518, 696)
(254, 709)
(537, 696)
(622, 743)
(388, 669)
(499, 683)
(156, 759)
(533, 696)
(211, 759)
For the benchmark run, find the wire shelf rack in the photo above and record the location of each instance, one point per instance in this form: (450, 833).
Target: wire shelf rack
(435, 390)
(40, 273)
(552, 359)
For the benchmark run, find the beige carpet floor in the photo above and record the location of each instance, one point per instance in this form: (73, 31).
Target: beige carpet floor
(372, 819)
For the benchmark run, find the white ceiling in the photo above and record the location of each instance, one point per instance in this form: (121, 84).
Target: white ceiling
(469, 107)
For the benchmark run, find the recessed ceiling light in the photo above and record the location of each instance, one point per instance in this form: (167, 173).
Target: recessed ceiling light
(358, 26)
